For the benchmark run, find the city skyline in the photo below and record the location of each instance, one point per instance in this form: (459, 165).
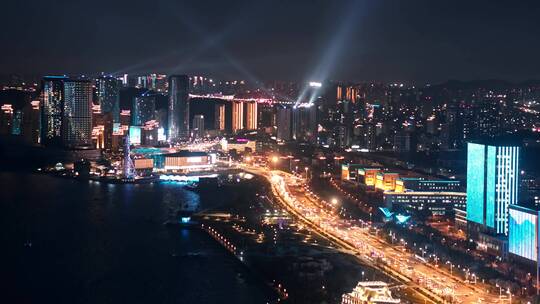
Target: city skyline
(249, 152)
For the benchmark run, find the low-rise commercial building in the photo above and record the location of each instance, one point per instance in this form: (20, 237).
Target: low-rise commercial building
(438, 203)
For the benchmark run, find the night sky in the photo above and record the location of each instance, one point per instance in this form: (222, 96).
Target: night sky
(262, 40)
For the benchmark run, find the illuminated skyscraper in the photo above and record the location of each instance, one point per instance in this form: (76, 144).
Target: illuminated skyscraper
(108, 93)
(219, 117)
(492, 186)
(523, 232)
(237, 116)
(178, 107)
(284, 123)
(304, 122)
(250, 109)
(52, 104)
(77, 113)
(143, 110)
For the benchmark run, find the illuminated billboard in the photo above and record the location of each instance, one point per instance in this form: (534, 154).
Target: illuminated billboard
(523, 232)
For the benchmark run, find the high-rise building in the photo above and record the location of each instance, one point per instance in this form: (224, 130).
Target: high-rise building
(108, 93)
(143, 110)
(266, 115)
(250, 116)
(304, 122)
(237, 116)
(492, 186)
(219, 117)
(284, 123)
(523, 238)
(198, 126)
(52, 106)
(178, 107)
(31, 122)
(77, 113)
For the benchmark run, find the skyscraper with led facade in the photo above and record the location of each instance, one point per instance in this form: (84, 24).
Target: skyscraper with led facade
(143, 109)
(77, 114)
(178, 107)
(523, 232)
(108, 93)
(492, 186)
(52, 105)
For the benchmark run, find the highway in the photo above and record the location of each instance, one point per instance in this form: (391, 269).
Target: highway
(434, 284)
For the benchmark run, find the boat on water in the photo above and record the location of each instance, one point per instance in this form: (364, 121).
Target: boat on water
(376, 292)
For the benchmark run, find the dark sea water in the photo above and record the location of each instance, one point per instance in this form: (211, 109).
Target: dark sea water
(67, 241)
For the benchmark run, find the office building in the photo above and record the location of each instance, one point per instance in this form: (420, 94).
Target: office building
(219, 117)
(237, 121)
(368, 176)
(77, 114)
(143, 110)
(350, 171)
(523, 232)
(421, 184)
(108, 94)
(492, 186)
(435, 203)
(305, 122)
(386, 181)
(250, 115)
(284, 123)
(52, 105)
(178, 107)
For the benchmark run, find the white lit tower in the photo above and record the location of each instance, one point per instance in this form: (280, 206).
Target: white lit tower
(129, 167)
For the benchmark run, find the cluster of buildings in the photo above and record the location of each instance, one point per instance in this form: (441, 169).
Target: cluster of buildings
(83, 112)
(492, 211)
(497, 217)
(411, 195)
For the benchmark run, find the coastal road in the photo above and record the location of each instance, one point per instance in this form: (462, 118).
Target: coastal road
(436, 285)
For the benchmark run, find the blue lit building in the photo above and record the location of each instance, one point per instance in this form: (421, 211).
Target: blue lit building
(492, 186)
(523, 233)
